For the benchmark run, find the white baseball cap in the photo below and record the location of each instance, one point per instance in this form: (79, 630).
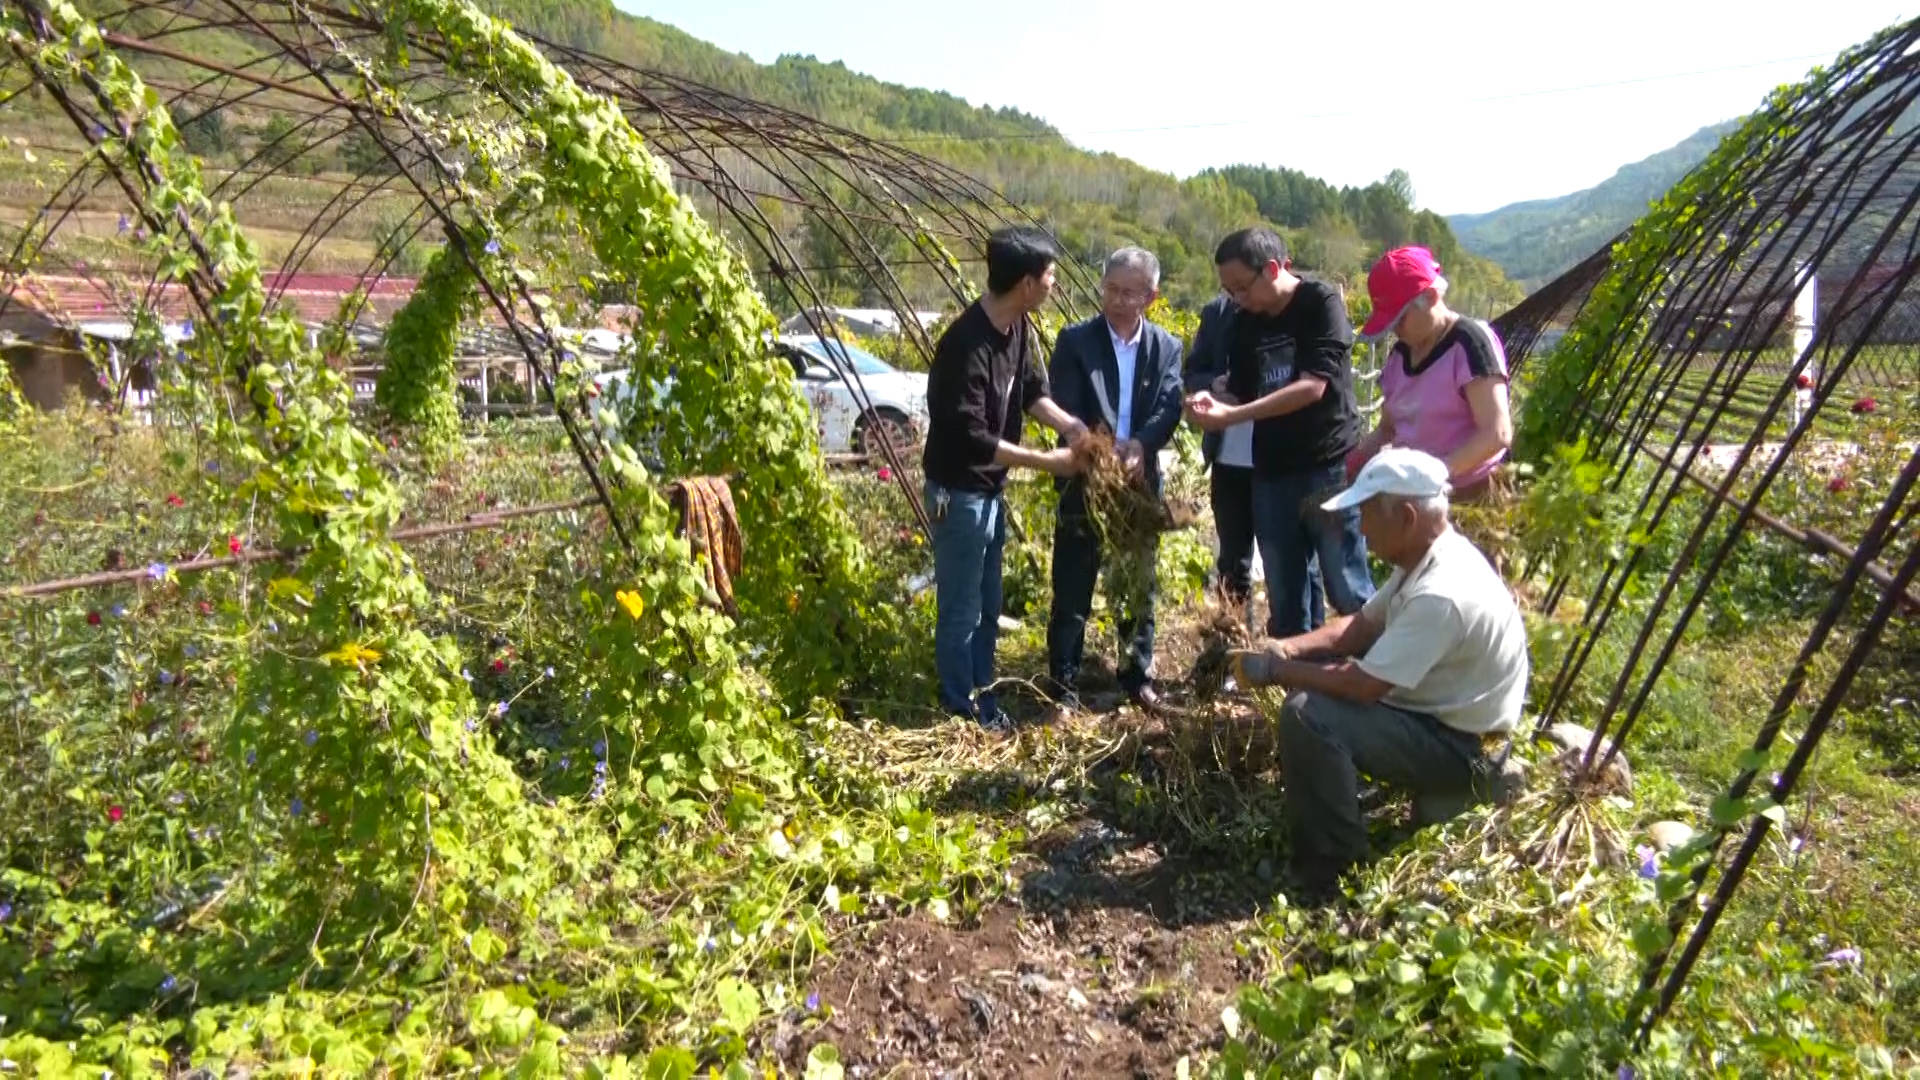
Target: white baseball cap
(1396, 470)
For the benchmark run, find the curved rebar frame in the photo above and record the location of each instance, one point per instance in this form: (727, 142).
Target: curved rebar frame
(764, 172)
(1832, 192)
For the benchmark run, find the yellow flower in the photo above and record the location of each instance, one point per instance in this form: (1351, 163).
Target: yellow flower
(631, 601)
(352, 653)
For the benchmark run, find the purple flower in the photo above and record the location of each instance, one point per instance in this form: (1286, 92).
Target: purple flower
(566, 761)
(119, 611)
(465, 674)
(191, 651)
(600, 749)
(252, 756)
(157, 571)
(1847, 955)
(708, 945)
(1649, 861)
(6, 911)
(500, 708)
(599, 788)
(166, 677)
(549, 671)
(1794, 845)
(813, 1001)
(310, 737)
(213, 466)
(186, 328)
(273, 626)
(124, 223)
(167, 984)
(493, 247)
(472, 723)
(1624, 1072)
(297, 807)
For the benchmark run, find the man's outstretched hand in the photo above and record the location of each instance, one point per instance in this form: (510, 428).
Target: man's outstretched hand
(1260, 665)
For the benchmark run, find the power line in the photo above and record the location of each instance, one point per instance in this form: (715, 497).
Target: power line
(1338, 113)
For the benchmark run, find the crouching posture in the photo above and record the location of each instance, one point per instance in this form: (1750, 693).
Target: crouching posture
(1419, 689)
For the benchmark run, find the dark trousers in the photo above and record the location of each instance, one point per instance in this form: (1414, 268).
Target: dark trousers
(1231, 491)
(1076, 567)
(1326, 742)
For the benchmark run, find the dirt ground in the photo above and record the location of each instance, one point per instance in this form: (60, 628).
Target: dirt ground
(1100, 966)
(1115, 953)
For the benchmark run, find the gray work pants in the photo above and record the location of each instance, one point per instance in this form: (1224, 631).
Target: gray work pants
(1326, 742)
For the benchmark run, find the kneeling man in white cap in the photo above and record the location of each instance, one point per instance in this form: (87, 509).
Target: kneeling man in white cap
(1419, 689)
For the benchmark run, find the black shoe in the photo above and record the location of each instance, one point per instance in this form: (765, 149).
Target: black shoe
(1145, 697)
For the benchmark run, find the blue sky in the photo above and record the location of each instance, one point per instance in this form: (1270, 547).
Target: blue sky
(1484, 103)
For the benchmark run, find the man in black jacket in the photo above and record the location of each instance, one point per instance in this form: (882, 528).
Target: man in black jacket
(1289, 371)
(985, 376)
(1121, 372)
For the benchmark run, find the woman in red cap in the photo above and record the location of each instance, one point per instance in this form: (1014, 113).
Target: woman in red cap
(1445, 381)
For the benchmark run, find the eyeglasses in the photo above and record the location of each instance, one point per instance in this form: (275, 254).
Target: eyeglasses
(1238, 293)
(1131, 296)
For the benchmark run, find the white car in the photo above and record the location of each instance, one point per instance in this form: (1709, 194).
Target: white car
(895, 402)
(898, 398)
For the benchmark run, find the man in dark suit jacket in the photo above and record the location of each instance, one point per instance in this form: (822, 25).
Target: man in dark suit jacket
(1122, 372)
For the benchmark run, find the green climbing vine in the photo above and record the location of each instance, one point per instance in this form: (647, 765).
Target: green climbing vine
(733, 410)
(351, 729)
(417, 385)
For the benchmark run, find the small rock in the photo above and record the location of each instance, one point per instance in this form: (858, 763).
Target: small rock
(1512, 781)
(1667, 835)
(1572, 740)
(1035, 983)
(1075, 998)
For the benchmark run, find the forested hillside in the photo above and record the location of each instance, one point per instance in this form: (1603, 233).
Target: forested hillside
(1535, 241)
(1094, 202)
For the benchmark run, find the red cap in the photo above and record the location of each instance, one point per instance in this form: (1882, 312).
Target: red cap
(1399, 276)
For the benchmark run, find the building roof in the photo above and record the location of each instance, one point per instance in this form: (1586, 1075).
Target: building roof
(75, 300)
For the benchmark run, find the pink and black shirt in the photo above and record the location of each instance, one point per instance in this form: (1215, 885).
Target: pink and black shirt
(1428, 405)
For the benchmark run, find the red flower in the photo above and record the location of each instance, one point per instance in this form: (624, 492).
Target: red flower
(206, 607)
(1865, 405)
(1839, 484)
(1804, 381)
(499, 665)
(115, 813)
(93, 618)
(885, 473)
(234, 545)
(175, 500)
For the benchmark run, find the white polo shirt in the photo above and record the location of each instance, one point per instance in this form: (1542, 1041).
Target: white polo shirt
(1453, 645)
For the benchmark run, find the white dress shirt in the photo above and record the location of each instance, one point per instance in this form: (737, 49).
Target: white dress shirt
(1127, 354)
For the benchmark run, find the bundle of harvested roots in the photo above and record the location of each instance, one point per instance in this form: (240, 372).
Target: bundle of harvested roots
(1127, 518)
(1224, 630)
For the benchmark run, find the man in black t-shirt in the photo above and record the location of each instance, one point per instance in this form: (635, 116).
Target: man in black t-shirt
(985, 376)
(1289, 372)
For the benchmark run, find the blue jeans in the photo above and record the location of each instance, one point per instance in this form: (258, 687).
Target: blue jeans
(969, 539)
(1291, 529)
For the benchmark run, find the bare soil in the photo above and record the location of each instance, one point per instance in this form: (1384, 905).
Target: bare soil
(1104, 964)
